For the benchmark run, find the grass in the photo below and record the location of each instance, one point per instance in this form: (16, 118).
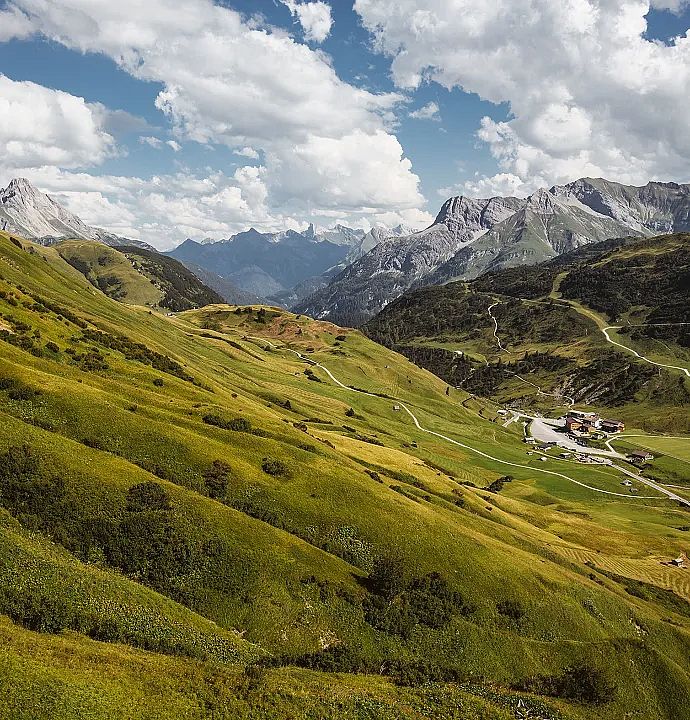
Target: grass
(284, 557)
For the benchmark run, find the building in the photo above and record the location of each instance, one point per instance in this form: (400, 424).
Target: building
(580, 415)
(640, 456)
(579, 425)
(679, 561)
(612, 426)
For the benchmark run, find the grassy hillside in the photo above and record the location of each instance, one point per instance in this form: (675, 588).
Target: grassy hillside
(137, 276)
(190, 508)
(548, 319)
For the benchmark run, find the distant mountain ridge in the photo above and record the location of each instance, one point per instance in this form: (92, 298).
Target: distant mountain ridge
(470, 237)
(283, 266)
(28, 212)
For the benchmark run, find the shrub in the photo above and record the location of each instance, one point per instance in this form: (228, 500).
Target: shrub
(511, 609)
(581, 683)
(158, 382)
(497, 485)
(53, 347)
(274, 467)
(216, 479)
(350, 412)
(17, 390)
(388, 577)
(147, 496)
(215, 420)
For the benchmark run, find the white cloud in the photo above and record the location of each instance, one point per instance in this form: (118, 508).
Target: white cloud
(236, 83)
(13, 24)
(675, 6)
(314, 17)
(501, 184)
(154, 142)
(40, 126)
(588, 94)
(430, 111)
(174, 145)
(247, 152)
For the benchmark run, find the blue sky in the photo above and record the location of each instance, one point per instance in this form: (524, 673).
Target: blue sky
(505, 112)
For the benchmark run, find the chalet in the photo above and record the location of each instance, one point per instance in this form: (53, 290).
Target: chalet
(640, 456)
(612, 426)
(577, 425)
(580, 415)
(679, 561)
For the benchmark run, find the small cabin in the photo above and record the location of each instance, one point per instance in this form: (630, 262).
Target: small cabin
(679, 561)
(640, 456)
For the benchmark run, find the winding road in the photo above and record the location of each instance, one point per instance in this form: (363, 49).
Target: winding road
(421, 428)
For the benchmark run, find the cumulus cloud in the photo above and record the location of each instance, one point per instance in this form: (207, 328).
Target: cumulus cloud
(236, 83)
(314, 17)
(430, 111)
(247, 152)
(588, 94)
(675, 6)
(40, 126)
(14, 25)
(174, 145)
(164, 210)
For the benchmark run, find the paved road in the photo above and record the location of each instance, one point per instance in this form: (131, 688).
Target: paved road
(546, 430)
(419, 426)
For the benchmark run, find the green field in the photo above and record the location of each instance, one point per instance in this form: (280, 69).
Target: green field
(190, 509)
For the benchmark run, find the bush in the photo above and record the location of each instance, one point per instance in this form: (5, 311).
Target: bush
(274, 467)
(53, 347)
(511, 609)
(388, 577)
(581, 683)
(158, 382)
(216, 479)
(147, 496)
(350, 412)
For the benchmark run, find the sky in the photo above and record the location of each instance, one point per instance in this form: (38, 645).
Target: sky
(169, 119)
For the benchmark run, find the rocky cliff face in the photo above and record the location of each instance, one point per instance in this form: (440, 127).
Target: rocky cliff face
(470, 237)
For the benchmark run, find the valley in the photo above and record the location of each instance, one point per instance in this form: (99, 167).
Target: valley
(207, 502)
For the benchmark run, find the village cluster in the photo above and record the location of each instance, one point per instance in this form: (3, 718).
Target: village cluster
(582, 427)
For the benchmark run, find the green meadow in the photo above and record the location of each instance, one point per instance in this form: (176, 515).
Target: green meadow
(190, 511)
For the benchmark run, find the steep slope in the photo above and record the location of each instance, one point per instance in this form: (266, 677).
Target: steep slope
(396, 264)
(545, 227)
(211, 463)
(551, 350)
(137, 276)
(360, 247)
(26, 211)
(501, 233)
(654, 208)
(230, 292)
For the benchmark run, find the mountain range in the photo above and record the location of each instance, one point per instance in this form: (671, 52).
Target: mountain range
(284, 267)
(470, 237)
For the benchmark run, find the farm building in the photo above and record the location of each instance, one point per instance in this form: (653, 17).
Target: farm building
(612, 426)
(640, 456)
